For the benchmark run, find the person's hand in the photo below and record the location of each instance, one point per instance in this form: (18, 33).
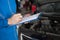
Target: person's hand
(15, 19)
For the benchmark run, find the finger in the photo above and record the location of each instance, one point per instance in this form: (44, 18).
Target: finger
(18, 17)
(20, 20)
(19, 14)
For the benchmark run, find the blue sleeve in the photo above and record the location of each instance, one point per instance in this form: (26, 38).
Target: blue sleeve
(3, 23)
(5, 6)
(3, 20)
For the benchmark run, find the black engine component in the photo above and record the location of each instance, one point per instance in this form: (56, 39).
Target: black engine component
(48, 27)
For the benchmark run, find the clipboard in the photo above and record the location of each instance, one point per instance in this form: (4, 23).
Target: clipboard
(30, 18)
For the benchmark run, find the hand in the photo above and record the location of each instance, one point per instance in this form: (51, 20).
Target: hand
(15, 19)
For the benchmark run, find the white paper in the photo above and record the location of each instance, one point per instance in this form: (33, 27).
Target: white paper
(32, 17)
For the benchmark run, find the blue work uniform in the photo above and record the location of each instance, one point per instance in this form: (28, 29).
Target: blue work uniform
(7, 32)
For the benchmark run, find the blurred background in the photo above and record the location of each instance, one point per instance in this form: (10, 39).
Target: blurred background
(47, 27)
